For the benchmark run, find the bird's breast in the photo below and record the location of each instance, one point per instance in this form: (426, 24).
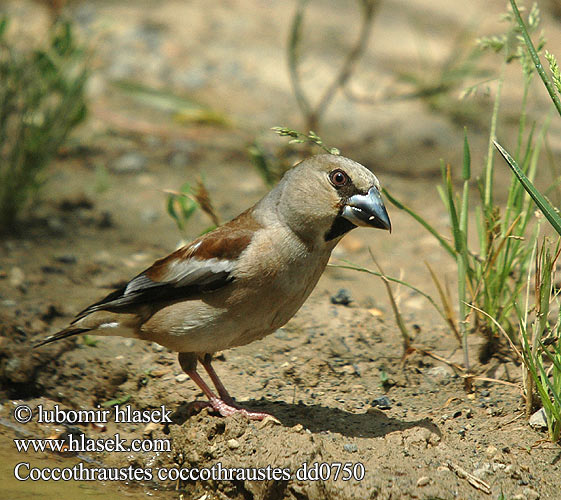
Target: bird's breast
(269, 287)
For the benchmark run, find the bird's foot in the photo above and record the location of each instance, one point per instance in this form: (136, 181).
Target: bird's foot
(227, 409)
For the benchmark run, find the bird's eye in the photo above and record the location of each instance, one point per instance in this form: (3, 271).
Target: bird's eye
(338, 178)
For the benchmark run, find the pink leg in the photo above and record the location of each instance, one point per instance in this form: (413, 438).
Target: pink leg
(220, 405)
(224, 404)
(222, 392)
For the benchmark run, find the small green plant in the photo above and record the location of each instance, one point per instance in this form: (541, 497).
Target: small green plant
(543, 363)
(181, 109)
(41, 102)
(438, 84)
(540, 340)
(491, 275)
(310, 138)
(269, 167)
(553, 87)
(182, 205)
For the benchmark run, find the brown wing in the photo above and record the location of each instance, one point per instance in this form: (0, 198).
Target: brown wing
(202, 266)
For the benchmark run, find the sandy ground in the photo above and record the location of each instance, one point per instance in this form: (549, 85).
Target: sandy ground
(322, 374)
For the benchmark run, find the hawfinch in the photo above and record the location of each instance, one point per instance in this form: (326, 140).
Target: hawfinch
(245, 279)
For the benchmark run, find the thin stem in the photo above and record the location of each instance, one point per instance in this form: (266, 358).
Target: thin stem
(535, 58)
(489, 167)
(294, 58)
(313, 113)
(348, 65)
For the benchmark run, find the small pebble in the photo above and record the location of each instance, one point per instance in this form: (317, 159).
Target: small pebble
(491, 451)
(280, 334)
(350, 447)
(512, 471)
(149, 215)
(383, 402)
(233, 444)
(438, 373)
(182, 377)
(482, 471)
(485, 393)
(150, 428)
(342, 297)
(16, 277)
(56, 225)
(531, 494)
(348, 369)
(268, 421)
(423, 481)
(538, 420)
(66, 259)
(130, 163)
(52, 270)
(105, 220)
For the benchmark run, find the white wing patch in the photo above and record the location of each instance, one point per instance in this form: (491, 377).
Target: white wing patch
(113, 324)
(184, 272)
(195, 271)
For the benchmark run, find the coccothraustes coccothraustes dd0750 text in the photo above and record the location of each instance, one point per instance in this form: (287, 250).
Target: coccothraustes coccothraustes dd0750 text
(245, 279)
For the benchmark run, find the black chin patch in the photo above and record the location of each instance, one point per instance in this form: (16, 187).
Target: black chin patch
(339, 227)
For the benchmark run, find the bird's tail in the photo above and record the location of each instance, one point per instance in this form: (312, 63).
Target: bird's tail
(67, 332)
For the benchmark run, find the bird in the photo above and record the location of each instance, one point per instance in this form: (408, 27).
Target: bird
(244, 279)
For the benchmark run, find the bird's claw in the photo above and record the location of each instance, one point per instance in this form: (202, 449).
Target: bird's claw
(227, 410)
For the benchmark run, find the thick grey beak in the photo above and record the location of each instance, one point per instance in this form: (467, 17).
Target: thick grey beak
(367, 210)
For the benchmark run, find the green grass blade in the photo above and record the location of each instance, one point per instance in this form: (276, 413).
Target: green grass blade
(535, 58)
(547, 208)
(466, 167)
(552, 358)
(452, 212)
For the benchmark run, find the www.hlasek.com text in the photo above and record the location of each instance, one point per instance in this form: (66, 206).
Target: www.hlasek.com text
(83, 444)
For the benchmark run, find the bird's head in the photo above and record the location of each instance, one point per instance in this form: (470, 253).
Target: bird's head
(331, 195)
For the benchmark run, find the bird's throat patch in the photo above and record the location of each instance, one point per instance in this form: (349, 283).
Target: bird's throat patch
(339, 227)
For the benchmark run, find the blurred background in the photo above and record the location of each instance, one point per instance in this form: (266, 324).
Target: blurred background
(177, 80)
(143, 98)
(127, 127)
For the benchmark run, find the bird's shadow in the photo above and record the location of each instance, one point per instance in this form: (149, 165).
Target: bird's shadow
(318, 418)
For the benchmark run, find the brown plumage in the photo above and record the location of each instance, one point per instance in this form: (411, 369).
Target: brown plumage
(245, 279)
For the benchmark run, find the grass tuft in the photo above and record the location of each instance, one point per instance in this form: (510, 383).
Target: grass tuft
(41, 102)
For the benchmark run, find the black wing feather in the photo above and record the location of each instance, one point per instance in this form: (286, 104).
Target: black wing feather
(147, 291)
